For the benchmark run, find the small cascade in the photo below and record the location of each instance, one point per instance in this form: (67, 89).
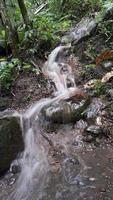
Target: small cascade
(34, 162)
(59, 72)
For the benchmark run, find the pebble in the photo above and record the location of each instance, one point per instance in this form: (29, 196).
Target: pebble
(94, 130)
(108, 65)
(92, 179)
(99, 121)
(103, 190)
(88, 138)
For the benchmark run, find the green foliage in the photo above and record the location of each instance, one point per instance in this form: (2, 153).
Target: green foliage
(90, 67)
(106, 29)
(100, 88)
(54, 18)
(30, 68)
(88, 71)
(50, 19)
(44, 31)
(8, 72)
(72, 7)
(46, 26)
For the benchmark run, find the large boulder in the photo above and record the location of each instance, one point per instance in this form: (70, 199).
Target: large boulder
(65, 111)
(82, 30)
(11, 141)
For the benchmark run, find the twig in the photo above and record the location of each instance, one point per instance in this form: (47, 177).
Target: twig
(34, 63)
(40, 8)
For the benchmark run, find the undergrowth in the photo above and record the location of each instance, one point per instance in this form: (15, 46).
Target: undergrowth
(9, 71)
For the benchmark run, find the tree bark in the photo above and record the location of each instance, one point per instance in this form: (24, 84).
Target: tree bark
(9, 29)
(24, 13)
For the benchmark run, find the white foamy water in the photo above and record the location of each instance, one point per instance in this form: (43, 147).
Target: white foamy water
(34, 163)
(60, 73)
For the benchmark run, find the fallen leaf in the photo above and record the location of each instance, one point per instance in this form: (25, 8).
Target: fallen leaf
(105, 55)
(90, 84)
(107, 77)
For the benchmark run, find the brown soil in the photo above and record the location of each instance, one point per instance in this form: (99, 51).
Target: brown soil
(27, 89)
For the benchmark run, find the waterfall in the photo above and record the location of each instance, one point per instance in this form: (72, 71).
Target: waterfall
(34, 162)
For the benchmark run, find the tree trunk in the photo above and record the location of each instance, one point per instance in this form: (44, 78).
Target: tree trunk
(9, 29)
(24, 13)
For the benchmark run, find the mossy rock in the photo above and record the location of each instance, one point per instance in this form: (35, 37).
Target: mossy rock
(11, 141)
(65, 111)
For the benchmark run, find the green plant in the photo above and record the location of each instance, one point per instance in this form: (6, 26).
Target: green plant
(106, 29)
(8, 72)
(100, 88)
(47, 26)
(90, 67)
(63, 7)
(30, 68)
(88, 71)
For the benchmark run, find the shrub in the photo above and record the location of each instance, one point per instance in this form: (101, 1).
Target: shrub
(8, 73)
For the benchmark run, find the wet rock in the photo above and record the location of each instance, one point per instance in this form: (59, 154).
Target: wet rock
(88, 138)
(93, 134)
(110, 92)
(82, 29)
(15, 167)
(65, 111)
(4, 102)
(94, 130)
(94, 109)
(71, 168)
(11, 141)
(81, 124)
(108, 65)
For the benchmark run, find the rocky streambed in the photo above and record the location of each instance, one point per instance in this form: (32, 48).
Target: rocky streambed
(80, 157)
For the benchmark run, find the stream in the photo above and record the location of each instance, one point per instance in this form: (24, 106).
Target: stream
(58, 165)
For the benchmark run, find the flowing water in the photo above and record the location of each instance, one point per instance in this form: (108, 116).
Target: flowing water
(34, 162)
(65, 169)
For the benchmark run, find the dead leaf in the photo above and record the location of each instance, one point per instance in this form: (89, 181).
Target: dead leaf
(107, 77)
(105, 55)
(90, 84)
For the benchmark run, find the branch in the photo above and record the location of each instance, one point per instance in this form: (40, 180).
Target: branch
(40, 8)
